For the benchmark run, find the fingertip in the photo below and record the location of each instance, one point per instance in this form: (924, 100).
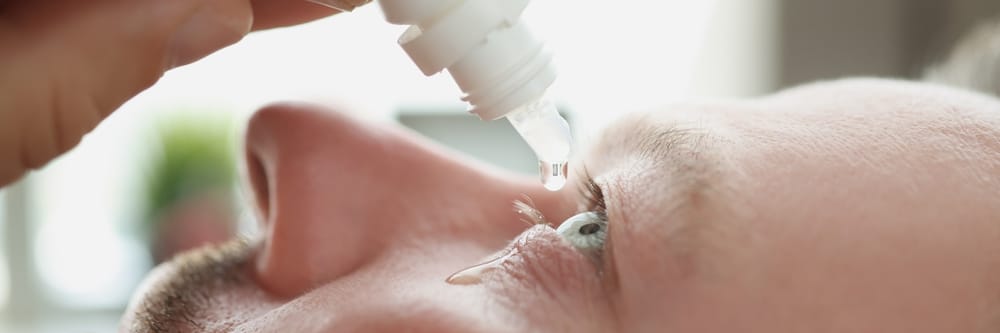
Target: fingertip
(214, 25)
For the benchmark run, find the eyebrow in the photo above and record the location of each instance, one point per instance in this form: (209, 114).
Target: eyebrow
(682, 146)
(683, 154)
(174, 303)
(682, 165)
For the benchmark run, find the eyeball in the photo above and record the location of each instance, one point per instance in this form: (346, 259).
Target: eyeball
(586, 231)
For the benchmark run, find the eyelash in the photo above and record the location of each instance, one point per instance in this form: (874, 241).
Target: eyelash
(593, 203)
(587, 230)
(593, 196)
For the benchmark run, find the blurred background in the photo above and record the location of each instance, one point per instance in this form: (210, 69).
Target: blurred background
(161, 175)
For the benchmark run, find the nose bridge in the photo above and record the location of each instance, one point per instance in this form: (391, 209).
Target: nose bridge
(339, 192)
(298, 161)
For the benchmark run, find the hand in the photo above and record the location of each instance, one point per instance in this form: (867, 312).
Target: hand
(68, 64)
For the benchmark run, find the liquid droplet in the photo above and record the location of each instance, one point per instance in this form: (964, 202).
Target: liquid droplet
(553, 174)
(475, 274)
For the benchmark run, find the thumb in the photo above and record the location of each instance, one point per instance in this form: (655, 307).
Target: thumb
(68, 64)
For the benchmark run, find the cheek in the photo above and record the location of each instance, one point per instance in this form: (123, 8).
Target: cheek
(821, 274)
(686, 282)
(687, 268)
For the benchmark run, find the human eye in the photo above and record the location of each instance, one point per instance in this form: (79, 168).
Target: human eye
(571, 256)
(587, 230)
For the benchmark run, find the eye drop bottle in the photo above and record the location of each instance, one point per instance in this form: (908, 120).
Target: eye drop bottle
(502, 69)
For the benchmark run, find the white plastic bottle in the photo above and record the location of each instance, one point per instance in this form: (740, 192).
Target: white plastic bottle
(501, 67)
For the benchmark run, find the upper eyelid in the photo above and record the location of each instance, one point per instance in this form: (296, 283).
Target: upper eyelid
(592, 194)
(593, 199)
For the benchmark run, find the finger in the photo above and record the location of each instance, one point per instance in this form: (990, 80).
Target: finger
(278, 13)
(68, 64)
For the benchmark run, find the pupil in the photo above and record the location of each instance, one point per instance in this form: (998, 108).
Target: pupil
(589, 228)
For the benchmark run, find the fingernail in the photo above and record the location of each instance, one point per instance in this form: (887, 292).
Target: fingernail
(342, 5)
(214, 25)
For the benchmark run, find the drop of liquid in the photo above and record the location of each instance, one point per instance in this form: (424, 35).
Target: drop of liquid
(553, 174)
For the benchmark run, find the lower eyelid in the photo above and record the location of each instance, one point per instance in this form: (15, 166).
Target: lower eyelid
(540, 258)
(545, 274)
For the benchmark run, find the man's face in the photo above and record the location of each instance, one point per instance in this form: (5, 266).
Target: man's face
(853, 206)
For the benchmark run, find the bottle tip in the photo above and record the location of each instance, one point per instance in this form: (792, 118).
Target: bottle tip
(553, 174)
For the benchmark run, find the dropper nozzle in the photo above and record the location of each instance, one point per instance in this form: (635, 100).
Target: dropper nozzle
(548, 135)
(553, 174)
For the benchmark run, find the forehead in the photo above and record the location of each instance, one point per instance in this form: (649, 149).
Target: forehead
(696, 177)
(869, 124)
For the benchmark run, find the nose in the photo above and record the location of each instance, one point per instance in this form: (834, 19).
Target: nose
(335, 193)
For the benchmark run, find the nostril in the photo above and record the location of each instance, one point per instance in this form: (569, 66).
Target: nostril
(259, 183)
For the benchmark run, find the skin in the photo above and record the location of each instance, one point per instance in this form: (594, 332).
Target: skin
(68, 64)
(848, 206)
